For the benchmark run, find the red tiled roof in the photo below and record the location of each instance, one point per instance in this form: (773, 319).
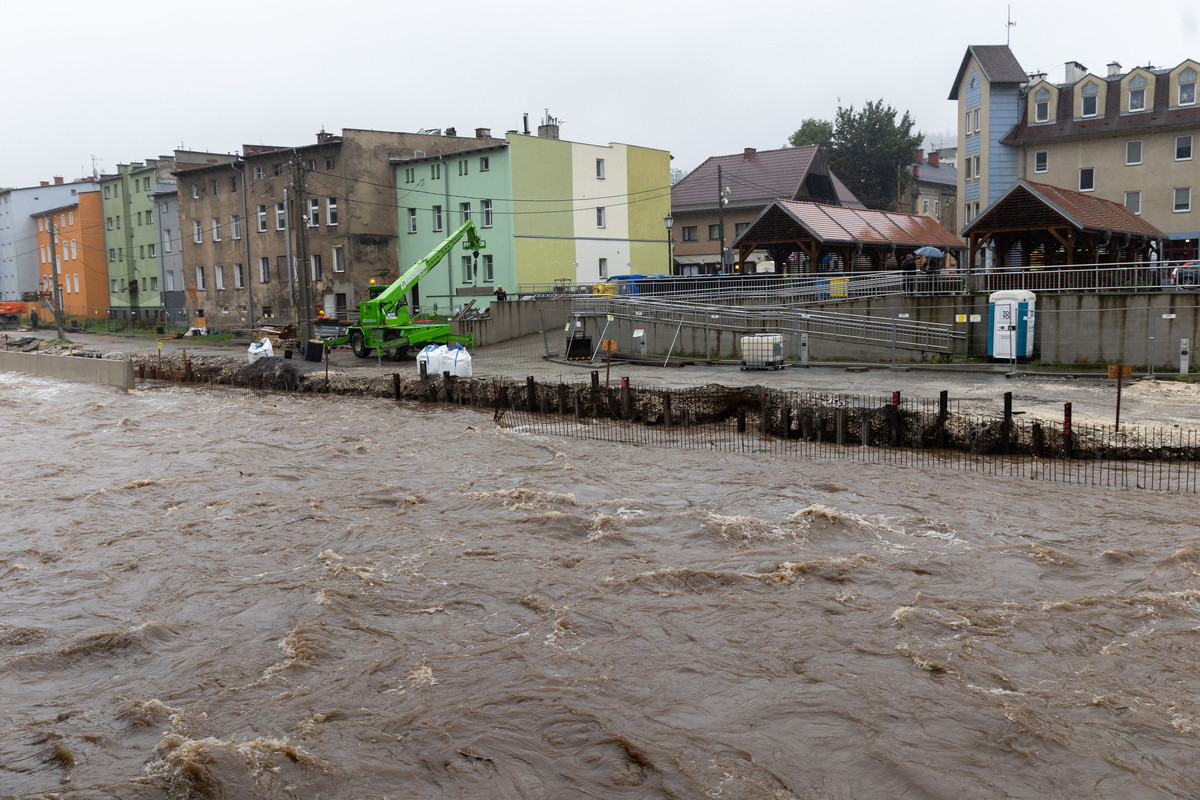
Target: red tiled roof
(1083, 210)
(840, 225)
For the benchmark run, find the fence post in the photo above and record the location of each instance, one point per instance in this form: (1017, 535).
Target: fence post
(562, 398)
(531, 393)
(1067, 444)
(666, 399)
(625, 398)
(894, 420)
(396, 384)
(763, 426)
(741, 420)
(840, 435)
(1006, 426)
(595, 393)
(943, 413)
(446, 386)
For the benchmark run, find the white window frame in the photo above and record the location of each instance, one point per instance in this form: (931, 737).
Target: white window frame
(339, 259)
(602, 268)
(197, 231)
(261, 213)
(466, 267)
(976, 114)
(259, 173)
(314, 212)
(1187, 205)
(601, 217)
(487, 213)
(599, 169)
(331, 217)
(485, 164)
(1045, 158)
(280, 217)
(1190, 150)
(239, 277)
(1136, 205)
(200, 278)
(489, 272)
(235, 227)
(412, 220)
(1130, 161)
(1090, 172)
(1189, 85)
(437, 218)
(465, 210)
(264, 269)
(1137, 98)
(1093, 96)
(216, 229)
(314, 266)
(218, 277)
(167, 240)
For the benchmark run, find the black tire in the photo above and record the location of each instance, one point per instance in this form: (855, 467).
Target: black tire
(358, 344)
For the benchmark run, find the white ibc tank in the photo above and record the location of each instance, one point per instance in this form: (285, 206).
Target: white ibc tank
(762, 351)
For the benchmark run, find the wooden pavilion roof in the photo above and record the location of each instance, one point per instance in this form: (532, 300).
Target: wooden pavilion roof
(794, 221)
(1030, 206)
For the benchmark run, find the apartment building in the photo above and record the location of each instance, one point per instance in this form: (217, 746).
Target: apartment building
(70, 251)
(20, 271)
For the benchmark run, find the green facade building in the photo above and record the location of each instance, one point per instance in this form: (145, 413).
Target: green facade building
(131, 242)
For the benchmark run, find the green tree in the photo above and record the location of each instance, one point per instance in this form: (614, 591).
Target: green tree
(813, 131)
(868, 150)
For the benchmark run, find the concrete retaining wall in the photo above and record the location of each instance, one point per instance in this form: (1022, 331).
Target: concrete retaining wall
(106, 372)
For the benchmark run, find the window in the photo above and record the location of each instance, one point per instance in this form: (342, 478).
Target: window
(339, 259)
(197, 232)
(146, 184)
(195, 191)
(925, 206)
(465, 210)
(117, 220)
(167, 240)
(107, 194)
(141, 251)
(1133, 201)
(967, 125)
(266, 312)
(691, 233)
(412, 220)
(976, 114)
(1041, 106)
(200, 278)
(153, 284)
(277, 170)
(1183, 199)
(599, 216)
(150, 217)
(1090, 93)
(280, 217)
(216, 229)
(1183, 148)
(330, 164)
(714, 232)
(315, 264)
(603, 268)
(740, 228)
(1087, 179)
(71, 217)
(462, 166)
(1041, 161)
(410, 174)
(219, 277)
(600, 168)
(108, 223)
(262, 218)
(967, 212)
(233, 185)
(435, 172)
(114, 286)
(264, 269)
(75, 256)
(466, 269)
(139, 219)
(976, 160)
(239, 276)
(489, 274)
(235, 226)
(151, 250)
(314, 212)
(331, 211)
(1133, 152)
(484, 164)
(437, 218)
(170, 281)
(487, 213)
(258, 173)
(1137, 93)
(1187, 87)
(310, 164)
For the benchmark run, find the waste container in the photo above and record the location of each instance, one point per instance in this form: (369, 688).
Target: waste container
(579, 347)
(314, 351)
(1010, 324)
(762, 351)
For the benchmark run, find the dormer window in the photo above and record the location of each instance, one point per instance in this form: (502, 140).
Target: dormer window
(1090, 92)
(1137, 93)
(1041, 106)
(1187, 87)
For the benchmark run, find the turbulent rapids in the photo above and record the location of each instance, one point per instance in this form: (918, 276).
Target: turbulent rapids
(223, 592)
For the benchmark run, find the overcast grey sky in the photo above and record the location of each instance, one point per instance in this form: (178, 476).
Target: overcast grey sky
(122, 81)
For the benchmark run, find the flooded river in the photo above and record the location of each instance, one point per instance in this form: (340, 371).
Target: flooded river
(213, 593)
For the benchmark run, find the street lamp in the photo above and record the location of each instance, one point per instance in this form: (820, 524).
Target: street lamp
(669, 220)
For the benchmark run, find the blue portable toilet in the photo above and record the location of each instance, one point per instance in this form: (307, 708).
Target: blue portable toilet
(1010, 324)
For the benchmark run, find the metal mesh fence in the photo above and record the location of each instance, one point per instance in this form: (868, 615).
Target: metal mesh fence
(867, 429)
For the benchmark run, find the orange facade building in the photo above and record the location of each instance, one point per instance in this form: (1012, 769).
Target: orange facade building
(78, 243)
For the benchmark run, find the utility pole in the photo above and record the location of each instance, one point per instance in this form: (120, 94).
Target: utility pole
(56, 293)
(721, 216)
(300, 198)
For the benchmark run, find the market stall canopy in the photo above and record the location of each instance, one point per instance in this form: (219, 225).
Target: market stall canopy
(1063, 226)
(801, 235)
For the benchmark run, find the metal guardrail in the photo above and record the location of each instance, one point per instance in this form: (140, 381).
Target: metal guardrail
(904, 333)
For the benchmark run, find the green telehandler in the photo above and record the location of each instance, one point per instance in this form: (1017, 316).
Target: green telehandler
(385, 325)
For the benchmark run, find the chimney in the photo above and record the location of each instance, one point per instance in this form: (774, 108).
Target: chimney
(45, 183)
(323, 137)
(526, 123)
(1075, 71)
(749, 151)
(934, 159)
(917, 171)
(451, 132)
(1114, 69)
(58, 180)
(919, 157)
(548, 131)
(483, 133)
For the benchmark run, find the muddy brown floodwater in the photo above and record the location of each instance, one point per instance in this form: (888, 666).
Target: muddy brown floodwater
(220, 593)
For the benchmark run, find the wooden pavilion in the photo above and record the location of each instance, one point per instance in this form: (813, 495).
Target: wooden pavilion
(1036, 224)
(814, 237)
